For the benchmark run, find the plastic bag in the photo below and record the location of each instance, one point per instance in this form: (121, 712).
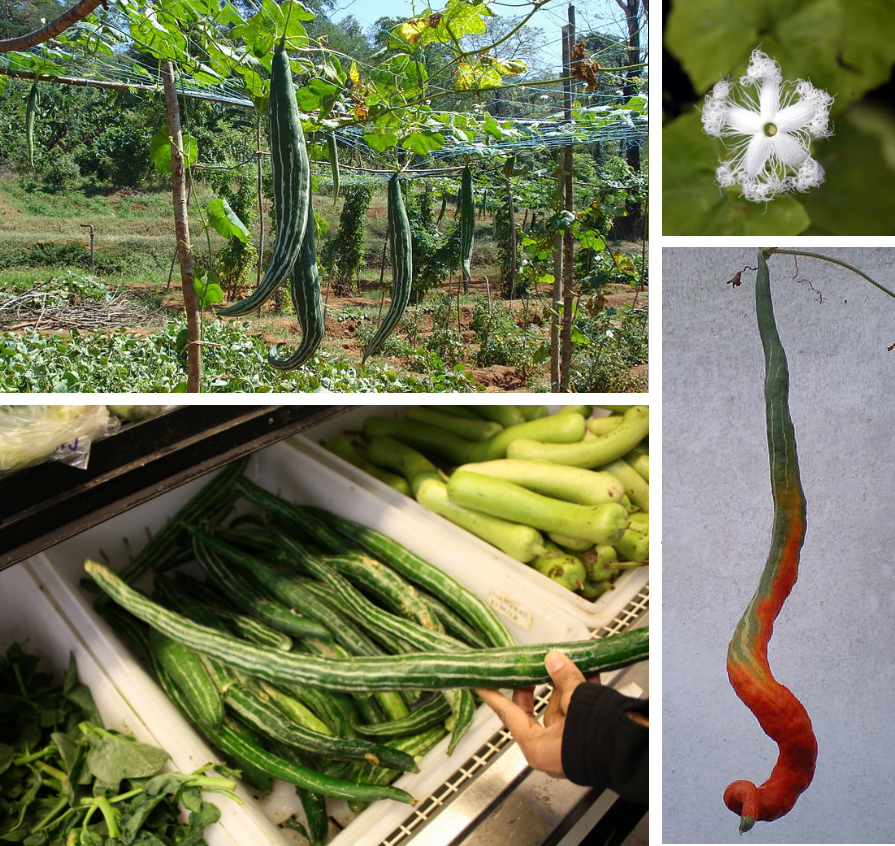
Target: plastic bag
(32, 434)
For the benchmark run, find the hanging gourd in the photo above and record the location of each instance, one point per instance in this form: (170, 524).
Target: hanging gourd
(781, 715)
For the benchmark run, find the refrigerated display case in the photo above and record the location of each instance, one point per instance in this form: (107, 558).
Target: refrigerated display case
(483, 793)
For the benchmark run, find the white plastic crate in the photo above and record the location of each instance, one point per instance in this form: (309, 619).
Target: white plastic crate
(592, 614)
(297, 477)
(30, 616)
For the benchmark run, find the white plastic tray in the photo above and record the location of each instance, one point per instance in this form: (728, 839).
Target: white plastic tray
(31, 617)
(297, 477)
(592, 614)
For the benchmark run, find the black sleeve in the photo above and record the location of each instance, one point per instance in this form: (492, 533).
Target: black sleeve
(602, 746)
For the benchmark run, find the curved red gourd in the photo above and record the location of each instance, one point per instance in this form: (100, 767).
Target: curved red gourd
(780, 714)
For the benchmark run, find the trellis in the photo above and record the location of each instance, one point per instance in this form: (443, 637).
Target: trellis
(606, 121)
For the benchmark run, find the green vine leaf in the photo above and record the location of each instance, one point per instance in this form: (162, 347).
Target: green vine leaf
(858, 197)
(423, 142)
(381, 139)
(208, 290)
(692, 202)
(225, 221)
(160, 150)
(842, 46)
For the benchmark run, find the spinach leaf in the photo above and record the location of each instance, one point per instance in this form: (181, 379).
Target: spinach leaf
(7, 753)
(113, 757)
(198, 822)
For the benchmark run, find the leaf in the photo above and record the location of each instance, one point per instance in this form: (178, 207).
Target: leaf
(180, 341)
(318, 93)
(858, 196)
(68, 749)
(423, 142)
(225, 221)
(381, 139)
(208, 291)
(198, 822)
(7, 753)
(472, 76)
(160, 150)
(79, 694)
(693, 204)
(843, 46)
(113, 757)
(590, 239)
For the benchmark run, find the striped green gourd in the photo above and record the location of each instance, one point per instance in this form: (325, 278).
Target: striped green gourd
(190, 674)
(30, 115)
(291, 183)
(417, 745)
(304, 287)
(268, 720)
(519, 666)
(333, 149)
(247, 596)
(467, 224)
(420, 572)
(401, 252)
(427, 716)
(166, 540)
(246, 576)
(414, 635)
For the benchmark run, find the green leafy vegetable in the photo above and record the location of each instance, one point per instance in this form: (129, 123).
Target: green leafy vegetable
(65, 779)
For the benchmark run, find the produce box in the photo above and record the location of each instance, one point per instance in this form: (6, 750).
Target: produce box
(592, 614)
(127, 699)
(531, 616)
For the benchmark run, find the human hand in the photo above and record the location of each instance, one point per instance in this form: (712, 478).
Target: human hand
(541, 745)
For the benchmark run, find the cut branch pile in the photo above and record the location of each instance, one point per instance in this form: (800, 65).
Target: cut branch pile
(42, 310)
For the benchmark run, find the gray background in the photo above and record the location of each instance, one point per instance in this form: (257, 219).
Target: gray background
(834, 642)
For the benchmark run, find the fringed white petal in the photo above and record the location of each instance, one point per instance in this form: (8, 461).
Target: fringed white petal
(789, 149)
(756, 155)
(769, 99)
(796, 116)
(744, 121)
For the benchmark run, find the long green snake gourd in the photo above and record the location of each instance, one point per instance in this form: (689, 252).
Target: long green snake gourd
(781, 715)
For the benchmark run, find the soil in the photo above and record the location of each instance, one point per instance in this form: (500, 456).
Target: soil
(496, 378)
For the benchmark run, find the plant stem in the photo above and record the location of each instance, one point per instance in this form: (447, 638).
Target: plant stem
(769, 251)
(52, 771)
(110, 815)
(50, 815)
(34, 756)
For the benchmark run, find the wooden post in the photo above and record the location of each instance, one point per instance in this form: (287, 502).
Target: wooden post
(182, 232)
(92, 229)
(511, 237)
(557, 304)
(568, 191)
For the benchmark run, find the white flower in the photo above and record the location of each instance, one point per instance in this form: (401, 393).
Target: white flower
(770, 135)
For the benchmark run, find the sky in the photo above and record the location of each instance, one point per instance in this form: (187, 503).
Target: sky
(604, 15)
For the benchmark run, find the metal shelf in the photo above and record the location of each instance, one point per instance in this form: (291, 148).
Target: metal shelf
(496, 785)
(42, 505)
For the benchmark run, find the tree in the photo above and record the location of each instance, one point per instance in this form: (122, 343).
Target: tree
(346, 37)
(20, 16)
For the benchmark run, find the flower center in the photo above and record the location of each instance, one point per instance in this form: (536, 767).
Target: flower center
(770, 130)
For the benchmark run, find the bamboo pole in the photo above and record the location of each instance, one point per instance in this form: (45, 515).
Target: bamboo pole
(182, 231)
